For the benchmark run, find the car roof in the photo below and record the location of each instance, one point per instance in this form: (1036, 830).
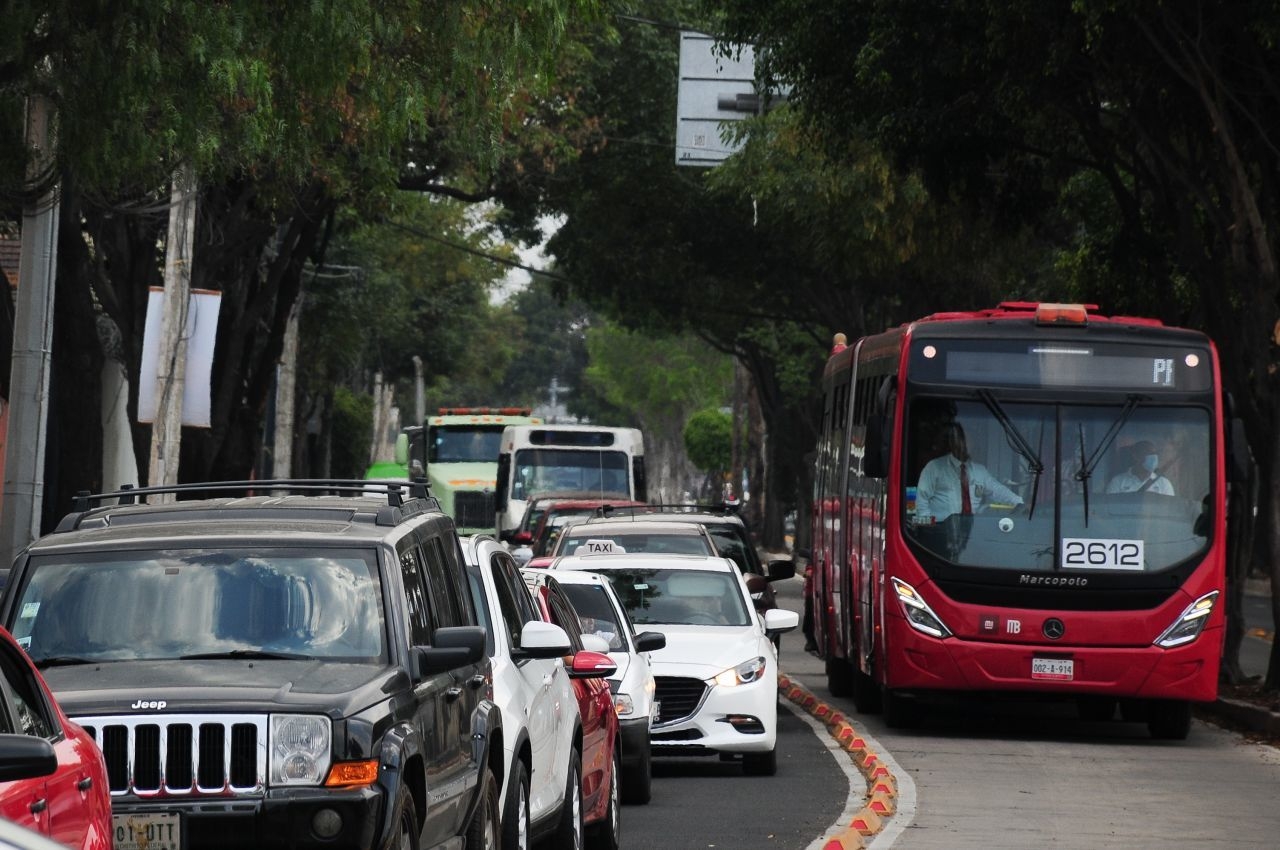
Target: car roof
(638, 526)
(362, 515)
(567, 576)
(640, 561)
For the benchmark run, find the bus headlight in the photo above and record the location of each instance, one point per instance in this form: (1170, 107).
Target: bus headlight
(1190, 623)
(918, 612)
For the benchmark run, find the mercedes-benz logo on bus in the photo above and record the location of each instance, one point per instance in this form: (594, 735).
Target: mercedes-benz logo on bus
(1054, 628)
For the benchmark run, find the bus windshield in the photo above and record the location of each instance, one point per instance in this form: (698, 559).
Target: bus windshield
(1050, 486)
(464, 443)
(566, 470)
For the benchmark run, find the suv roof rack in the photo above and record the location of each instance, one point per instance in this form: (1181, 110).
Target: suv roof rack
(398, 507)
(720, 508)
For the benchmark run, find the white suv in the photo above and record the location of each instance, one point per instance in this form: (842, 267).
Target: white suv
(533, 690)
(717, 677)
(633, 684)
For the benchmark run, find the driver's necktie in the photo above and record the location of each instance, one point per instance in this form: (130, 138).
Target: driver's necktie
(966, 507)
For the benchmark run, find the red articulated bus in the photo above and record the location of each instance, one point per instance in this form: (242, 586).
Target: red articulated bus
(1028, 499)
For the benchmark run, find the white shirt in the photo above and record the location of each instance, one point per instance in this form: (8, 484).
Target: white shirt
(938, 492)
(1127, 482)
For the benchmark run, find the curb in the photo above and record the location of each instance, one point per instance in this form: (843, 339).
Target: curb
(882, 787)
(1253, 717)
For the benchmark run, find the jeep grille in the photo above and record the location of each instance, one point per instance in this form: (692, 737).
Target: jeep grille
(176, 755)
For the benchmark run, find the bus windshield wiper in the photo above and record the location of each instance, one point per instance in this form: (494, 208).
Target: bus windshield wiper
(1087, 465)
(1019, 443)
(246, 653)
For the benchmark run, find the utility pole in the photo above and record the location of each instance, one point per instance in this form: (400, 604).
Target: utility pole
(171, 363)
(419, 392)
(379, 423)
(32, 343)
(286, 384)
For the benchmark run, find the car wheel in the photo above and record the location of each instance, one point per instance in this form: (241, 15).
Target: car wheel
(406, 820)
(760, 764)
(482, 832)
(515, 820)
(637, 784)
(1169, 720)
(605, 834)
(568, 834)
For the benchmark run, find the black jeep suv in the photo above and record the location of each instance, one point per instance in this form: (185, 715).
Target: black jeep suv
(296, 670)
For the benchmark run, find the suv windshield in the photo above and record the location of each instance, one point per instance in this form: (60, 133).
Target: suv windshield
(176, 604)
(1119, 487)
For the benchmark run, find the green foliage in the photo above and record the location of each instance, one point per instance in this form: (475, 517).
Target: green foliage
(708, 440)
(352, 425)
(658, 380)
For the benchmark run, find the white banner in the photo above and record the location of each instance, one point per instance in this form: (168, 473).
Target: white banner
(201, 333)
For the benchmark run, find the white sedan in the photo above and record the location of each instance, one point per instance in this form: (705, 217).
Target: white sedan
(717, 677)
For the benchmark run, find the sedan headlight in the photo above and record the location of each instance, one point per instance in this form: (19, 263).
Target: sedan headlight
(1189, 623)
(300, 749)
(742, 674)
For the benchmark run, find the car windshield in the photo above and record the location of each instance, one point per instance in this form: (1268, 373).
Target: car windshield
(177, 604)
(597, 614)
(1055, 486)
(654, 542)
(680, 597)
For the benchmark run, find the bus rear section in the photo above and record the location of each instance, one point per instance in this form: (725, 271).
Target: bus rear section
(1030, 505)
(461, 459)
(572, 461)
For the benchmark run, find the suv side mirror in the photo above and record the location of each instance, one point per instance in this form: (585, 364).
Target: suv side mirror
(539, 639)
(455, 646)
(650, 641)
(781, 569)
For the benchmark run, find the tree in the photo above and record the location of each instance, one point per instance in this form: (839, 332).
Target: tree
(286, 115)
(708, 441)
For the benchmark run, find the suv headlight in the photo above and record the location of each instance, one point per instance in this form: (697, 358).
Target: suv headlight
(742, 674)
(300, 749)
(1189, 623)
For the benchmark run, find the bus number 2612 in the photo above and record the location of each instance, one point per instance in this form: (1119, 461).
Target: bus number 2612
(1081, 553)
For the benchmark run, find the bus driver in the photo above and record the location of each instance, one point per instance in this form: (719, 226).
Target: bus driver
(953, 483)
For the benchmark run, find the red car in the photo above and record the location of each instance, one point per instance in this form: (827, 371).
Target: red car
(601, 752)
(63, 792)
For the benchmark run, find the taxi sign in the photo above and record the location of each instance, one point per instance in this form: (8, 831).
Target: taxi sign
(599, 547)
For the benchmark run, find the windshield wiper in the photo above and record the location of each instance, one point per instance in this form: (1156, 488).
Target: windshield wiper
(247, 653)
(1019, 443)
(1087, 466)
(64, 661)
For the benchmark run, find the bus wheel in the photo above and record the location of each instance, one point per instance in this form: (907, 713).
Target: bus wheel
(866, 693)
(1169, 720)
(1094, 709)
(839, 677)
(900, 712)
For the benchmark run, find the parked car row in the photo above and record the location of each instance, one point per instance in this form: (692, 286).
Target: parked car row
(315, 668)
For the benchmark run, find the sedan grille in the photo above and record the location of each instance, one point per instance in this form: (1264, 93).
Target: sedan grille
(678, 697)
(179, 755)
(473, 509)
